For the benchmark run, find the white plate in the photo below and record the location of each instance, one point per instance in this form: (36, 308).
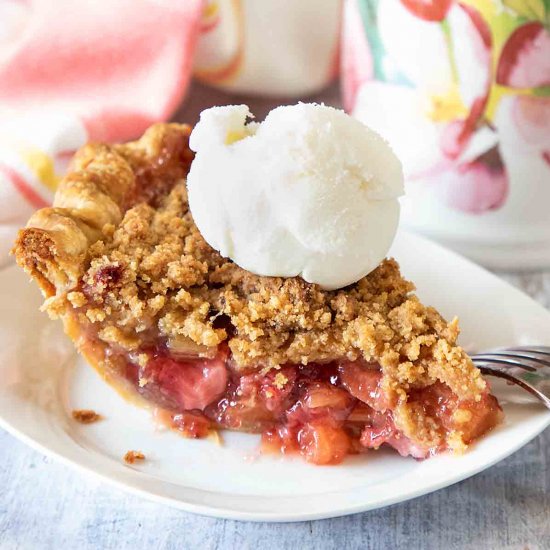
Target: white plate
(41, 380)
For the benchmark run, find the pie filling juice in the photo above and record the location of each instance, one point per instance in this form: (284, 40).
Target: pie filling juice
(323, 411)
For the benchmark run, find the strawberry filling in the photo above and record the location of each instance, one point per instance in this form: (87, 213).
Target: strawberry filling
(180, 385)
(363, 381)
(323, 412)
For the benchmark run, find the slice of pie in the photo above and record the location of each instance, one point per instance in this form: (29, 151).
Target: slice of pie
(174, 326)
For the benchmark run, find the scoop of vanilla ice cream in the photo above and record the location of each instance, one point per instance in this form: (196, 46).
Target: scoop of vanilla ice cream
(310, 191)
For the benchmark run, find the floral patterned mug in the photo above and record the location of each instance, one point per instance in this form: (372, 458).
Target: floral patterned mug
(461, 90)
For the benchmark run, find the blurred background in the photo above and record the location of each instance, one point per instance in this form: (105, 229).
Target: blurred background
(460, 89)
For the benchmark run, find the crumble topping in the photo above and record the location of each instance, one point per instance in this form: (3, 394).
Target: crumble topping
(85, 416)
(133, 456)
(280, 380)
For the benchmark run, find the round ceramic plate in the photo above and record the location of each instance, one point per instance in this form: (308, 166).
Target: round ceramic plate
(42, 380)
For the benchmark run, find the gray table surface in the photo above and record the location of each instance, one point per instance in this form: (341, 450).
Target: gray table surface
(43, 504)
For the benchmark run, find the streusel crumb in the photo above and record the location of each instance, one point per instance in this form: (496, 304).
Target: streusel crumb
(280, 380)
(85, 416)
(133, 456)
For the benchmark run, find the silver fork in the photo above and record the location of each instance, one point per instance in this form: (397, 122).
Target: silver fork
(525, 366)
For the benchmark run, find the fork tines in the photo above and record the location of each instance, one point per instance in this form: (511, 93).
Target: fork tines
(532, 358)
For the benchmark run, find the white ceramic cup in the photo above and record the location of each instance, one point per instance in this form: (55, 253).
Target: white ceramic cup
(269, 47)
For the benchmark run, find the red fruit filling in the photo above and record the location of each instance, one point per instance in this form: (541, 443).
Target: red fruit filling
(363, 382)
(323, 412)
(182, 384)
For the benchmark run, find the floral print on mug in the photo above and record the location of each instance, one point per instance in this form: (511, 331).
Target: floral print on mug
(461, 90)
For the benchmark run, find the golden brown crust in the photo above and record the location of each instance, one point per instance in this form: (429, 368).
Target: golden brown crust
(139, 267)
(52, 248)
(103, 183)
